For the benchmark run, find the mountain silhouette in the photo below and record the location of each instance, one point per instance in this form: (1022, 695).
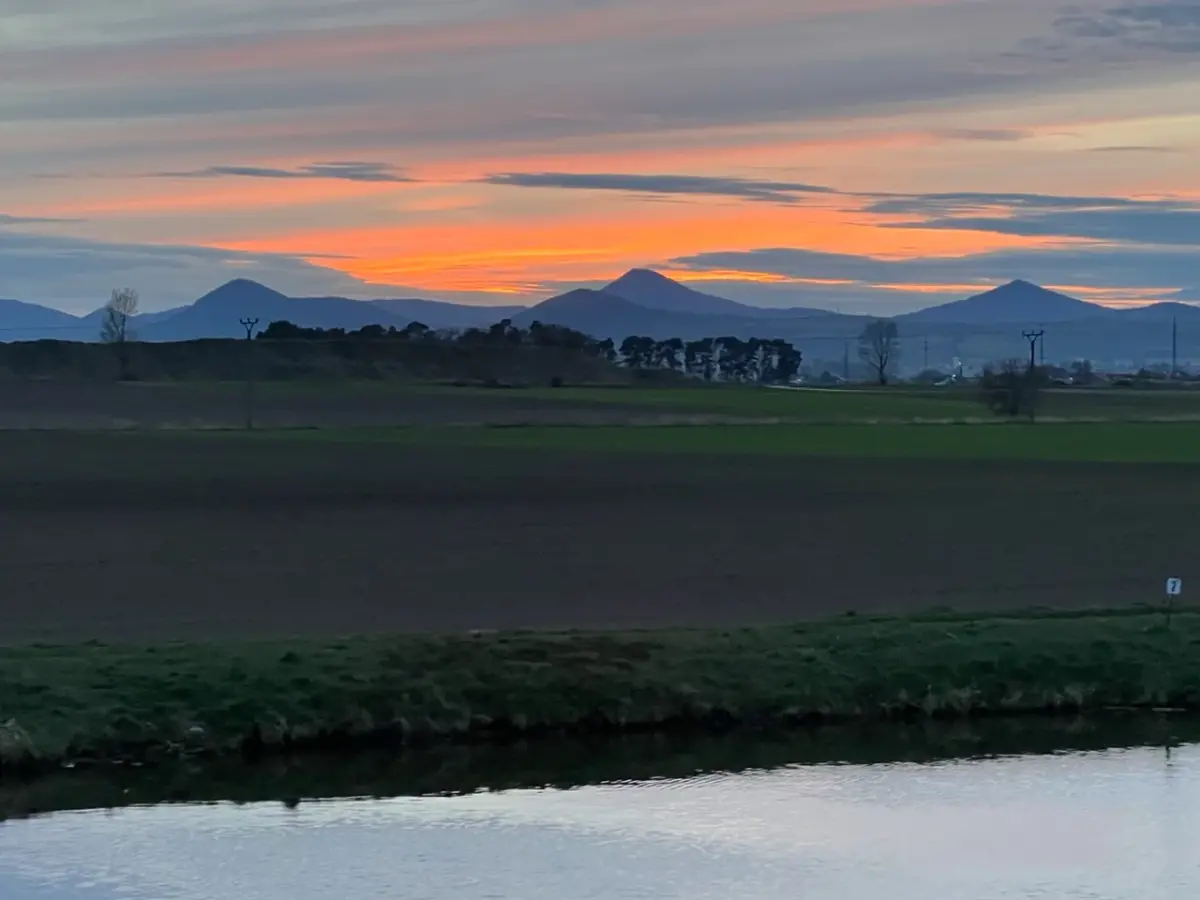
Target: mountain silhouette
(653, 290)
(985, 327)
(604, 314)
(440, 314)
(20, 321)
(1018, 302)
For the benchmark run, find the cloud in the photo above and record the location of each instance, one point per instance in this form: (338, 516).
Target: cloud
(1137, 29)
(1135, 148)
(978, 201)
(772, 191)
(342, 171)
(7, 220)
(1168, 222)
(1099, 266)
(75, 274)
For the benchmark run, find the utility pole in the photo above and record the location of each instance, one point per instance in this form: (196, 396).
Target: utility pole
(846, 361)
(1033, 337)
(926, 367)
(1174, 346)
(249, 325)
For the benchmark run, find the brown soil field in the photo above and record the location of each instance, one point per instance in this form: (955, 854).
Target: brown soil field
(91, 405)
(163, 536)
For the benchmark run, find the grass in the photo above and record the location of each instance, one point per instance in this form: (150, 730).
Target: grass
(114, 703)
(1113, 442)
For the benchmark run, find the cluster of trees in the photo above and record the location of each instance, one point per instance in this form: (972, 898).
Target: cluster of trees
(767, 361)
(762, 360)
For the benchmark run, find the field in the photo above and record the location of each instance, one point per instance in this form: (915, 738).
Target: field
(152, 535)
(344, 403)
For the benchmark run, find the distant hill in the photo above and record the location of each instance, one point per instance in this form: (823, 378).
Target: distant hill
(219, 313)
(1018, 302)
(1161, 312)
(982, 328)
(654, 290)
(27, 321)
(439, 314)
(604, 314)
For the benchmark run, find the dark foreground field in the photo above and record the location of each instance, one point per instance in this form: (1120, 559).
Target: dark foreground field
(182, 536)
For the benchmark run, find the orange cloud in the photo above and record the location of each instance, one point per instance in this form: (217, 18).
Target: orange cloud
(580, 246)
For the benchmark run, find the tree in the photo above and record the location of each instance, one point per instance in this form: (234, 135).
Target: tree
(116, 325)
(1012, 389)
(879, 348)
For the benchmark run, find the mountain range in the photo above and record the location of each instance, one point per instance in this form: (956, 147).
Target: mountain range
(646, 302)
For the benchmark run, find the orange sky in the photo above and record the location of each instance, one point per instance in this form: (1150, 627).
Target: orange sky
(179, 147)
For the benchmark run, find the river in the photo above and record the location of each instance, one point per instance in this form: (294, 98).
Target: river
(1110, 824)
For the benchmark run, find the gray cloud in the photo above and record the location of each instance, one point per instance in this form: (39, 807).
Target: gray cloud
(1174, 227)
(997, 135)
(71, 273)
(342, 171)
(1166, 26)
(1135, 148)
(1099, 266)
(1121, 219)
(972, 201)
(7, 220)
(76, 274)
(771, 191)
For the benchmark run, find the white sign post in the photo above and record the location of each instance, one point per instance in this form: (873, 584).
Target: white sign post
(1174, 589)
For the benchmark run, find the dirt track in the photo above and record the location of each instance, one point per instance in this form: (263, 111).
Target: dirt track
(132, 537)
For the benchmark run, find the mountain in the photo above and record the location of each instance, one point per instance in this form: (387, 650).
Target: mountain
(218, 314)
(654, 290)
(1015, 303)
(439, 314)
(651, 290)
(602, 314)
(1161, 312)
(21, 321)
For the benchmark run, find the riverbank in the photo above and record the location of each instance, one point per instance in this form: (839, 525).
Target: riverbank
(109, 704)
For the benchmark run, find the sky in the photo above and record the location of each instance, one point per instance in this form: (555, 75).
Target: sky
(871, 156)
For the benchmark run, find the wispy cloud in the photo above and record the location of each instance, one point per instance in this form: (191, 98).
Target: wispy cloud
(1135, 148)
(1167, 222)
(771, 191)
(341, 171)
(6, 219)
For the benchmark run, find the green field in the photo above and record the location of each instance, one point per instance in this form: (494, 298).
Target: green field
(901, 403)
(1128, 442)
(131, 703)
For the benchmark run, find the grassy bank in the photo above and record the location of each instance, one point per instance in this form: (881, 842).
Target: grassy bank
(115, 703)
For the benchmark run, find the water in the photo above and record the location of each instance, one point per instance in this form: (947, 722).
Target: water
(1101, 825)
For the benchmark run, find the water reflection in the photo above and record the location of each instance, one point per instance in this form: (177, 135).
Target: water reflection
(1110, 824)
(1117, 824)
(565, 764)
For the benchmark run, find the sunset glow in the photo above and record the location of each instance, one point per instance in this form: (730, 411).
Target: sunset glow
(811, 154)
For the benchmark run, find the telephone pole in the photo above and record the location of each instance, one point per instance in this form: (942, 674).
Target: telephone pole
(249, 325)
(846, 361)
(1174, 346)
(926, 339)
(1033, 337)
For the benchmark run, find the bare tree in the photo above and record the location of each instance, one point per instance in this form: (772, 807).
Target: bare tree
(116, 325)
(1011, 389)
(879, 348)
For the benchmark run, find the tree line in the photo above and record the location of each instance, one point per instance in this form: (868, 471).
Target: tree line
(759, 360)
